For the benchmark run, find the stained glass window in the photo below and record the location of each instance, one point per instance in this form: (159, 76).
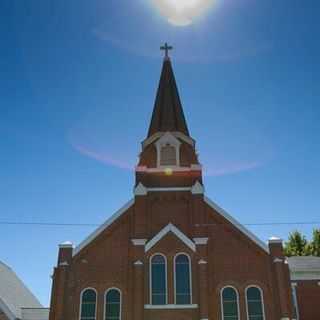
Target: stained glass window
(182, 279)
(88, 305)
(113, 305)
(158, 280)
(254, 304)
(230, 309)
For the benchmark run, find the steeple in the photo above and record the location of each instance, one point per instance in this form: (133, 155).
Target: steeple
(168, 157)
(167, 112)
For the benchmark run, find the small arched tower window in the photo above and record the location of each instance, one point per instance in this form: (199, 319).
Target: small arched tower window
(168, 150)
(112, 305)
(255, 307)
(230, 304)
(88, 304)
(158, 280)
(168, 156)
(182, 285)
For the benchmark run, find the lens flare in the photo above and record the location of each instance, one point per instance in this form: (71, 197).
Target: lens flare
(182, 12)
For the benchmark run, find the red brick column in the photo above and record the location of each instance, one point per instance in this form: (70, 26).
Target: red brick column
(282, 278)
(201, 243)
(60, 276)
(138, 294)
(203, 288)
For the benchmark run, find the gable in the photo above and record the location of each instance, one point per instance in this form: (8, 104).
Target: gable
(103, 227)
(237, 225)
(163, 232)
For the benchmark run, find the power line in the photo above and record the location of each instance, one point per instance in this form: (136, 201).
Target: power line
(60, 224)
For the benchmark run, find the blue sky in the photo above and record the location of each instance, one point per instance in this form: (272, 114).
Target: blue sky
(78, 81)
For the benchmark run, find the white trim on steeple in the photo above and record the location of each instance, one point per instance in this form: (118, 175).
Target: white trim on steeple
(197, 188)
(170, 228)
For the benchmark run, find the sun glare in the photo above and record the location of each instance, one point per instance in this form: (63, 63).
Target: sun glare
(182, 12)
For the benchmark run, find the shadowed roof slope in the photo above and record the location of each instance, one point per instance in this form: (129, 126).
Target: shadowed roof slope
(14, 295)
(167, 112)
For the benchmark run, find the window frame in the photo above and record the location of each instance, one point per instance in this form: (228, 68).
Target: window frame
(96, 303)
(262, 300)
(105, 302)
(166, 277)
(221, 301)
(174, 276)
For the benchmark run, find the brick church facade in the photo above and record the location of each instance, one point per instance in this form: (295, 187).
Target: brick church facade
(171, 253)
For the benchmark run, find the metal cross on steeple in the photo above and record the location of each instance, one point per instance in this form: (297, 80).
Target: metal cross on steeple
(166, 49)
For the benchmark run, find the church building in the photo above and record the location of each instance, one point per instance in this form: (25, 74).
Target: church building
(171, 253)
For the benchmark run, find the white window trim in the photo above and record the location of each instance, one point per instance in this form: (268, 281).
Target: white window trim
(174, 276)
(105, 302)
(221, 300)
(171, 306)
(170, 139)
(150, 277)
(262, 300)
(80, 305)
(163, 232)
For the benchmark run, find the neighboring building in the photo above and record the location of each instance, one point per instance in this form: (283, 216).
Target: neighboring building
(171, 253)
(305, 281)
(16, 300)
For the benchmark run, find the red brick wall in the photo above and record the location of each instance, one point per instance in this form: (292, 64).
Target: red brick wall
(308, 296)
(108, 261)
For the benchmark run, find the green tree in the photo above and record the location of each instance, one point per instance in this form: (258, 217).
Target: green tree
(314, 245)
(297, 245)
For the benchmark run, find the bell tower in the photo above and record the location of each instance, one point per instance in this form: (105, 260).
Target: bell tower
(168, 157)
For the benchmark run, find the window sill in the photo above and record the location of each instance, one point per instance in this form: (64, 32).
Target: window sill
(171, 306)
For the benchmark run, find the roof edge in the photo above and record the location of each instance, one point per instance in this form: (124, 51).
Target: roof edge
(101, 228)
(237, 224)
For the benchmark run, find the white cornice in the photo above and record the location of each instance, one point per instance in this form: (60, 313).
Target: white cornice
(170, 228)
(193, 167)
(176, 134)
(141, 190)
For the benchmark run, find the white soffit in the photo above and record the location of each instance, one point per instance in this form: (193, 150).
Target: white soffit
(238, 225)
(104, 226)
(170, 228)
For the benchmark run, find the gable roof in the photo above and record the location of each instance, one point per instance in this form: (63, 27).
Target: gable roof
(304, 268)
(170, 228)
(237, 224)
(104, 226)
(14, 295)
(167, 113)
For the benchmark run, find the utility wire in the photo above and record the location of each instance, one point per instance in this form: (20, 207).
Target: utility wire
(57, 224)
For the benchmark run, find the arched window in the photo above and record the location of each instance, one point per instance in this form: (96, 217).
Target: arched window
(255, 308)
(168, 156)
(229, 304)
(112, 305)
(158, 280)
(88, 304)
(182, 272)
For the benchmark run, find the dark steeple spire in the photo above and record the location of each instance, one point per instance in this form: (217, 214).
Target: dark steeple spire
(167, 112)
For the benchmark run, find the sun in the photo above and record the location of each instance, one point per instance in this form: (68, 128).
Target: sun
(182, 12)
